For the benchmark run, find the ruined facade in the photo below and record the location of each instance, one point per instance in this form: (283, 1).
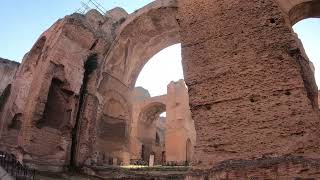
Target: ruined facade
(171, 139)
(252, 92)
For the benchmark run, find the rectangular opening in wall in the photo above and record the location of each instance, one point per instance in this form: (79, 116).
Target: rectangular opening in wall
(56, 113)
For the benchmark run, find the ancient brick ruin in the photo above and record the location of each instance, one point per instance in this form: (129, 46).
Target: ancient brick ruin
(175, 132)
(252, 93)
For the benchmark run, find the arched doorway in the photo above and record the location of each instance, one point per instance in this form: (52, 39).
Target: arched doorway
(188, 152)
(142, 35)
(147, 131)
(309, 40)
(303, 10)
(304, 18)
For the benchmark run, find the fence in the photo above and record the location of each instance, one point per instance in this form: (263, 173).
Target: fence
(91, 4)
(15, 168)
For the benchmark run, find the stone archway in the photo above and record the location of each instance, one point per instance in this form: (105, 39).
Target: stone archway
(297, 10)
(144, 125)
(147, 129)
(141, 36)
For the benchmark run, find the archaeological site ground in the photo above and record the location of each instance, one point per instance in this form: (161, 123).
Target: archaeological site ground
(246, 109)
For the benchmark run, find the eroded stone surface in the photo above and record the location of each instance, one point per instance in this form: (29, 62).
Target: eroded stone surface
(251, 95)
(252, 92)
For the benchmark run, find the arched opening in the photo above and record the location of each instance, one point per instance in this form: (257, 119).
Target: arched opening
(307, 32)
(305, 21)
(156, 75)
(160, 70)
(157, 138)
(162, 77)
(142, 151)
(304, 10)
(142, 36)
(188, 152)
(163, 157)
(149, 132)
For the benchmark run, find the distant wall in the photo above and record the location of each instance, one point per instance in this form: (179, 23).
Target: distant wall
(8, 70)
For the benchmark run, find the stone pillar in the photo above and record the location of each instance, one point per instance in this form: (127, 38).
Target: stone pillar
(252, 94)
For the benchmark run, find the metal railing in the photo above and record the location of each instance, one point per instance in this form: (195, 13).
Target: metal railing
(15, 168)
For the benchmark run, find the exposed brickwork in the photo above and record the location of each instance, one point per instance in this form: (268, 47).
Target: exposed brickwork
(285, 167)
(252, 92)
(248, 94)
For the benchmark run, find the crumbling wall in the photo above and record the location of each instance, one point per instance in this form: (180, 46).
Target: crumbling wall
(8, 71)
(249, 95)
(113, 130)
(50, 108)
(91, 112)
(252, 92)
(45, 93)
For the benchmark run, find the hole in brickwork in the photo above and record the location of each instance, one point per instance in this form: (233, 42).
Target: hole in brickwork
(157, 138)
(288, 93)
(56, 113)
(272, 20)
(59, 148)
(16, 122)
(206, 177)
(208, 107)
(4, 96)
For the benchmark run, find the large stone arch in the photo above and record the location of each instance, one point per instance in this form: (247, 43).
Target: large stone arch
(152, 108)
(150, 112)
(297, 10)
(113, 129)
(145, 114)
(142, 35)
(146, 127)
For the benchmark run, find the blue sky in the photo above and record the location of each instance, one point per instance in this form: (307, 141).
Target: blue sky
(22, 22)
(308, 31)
